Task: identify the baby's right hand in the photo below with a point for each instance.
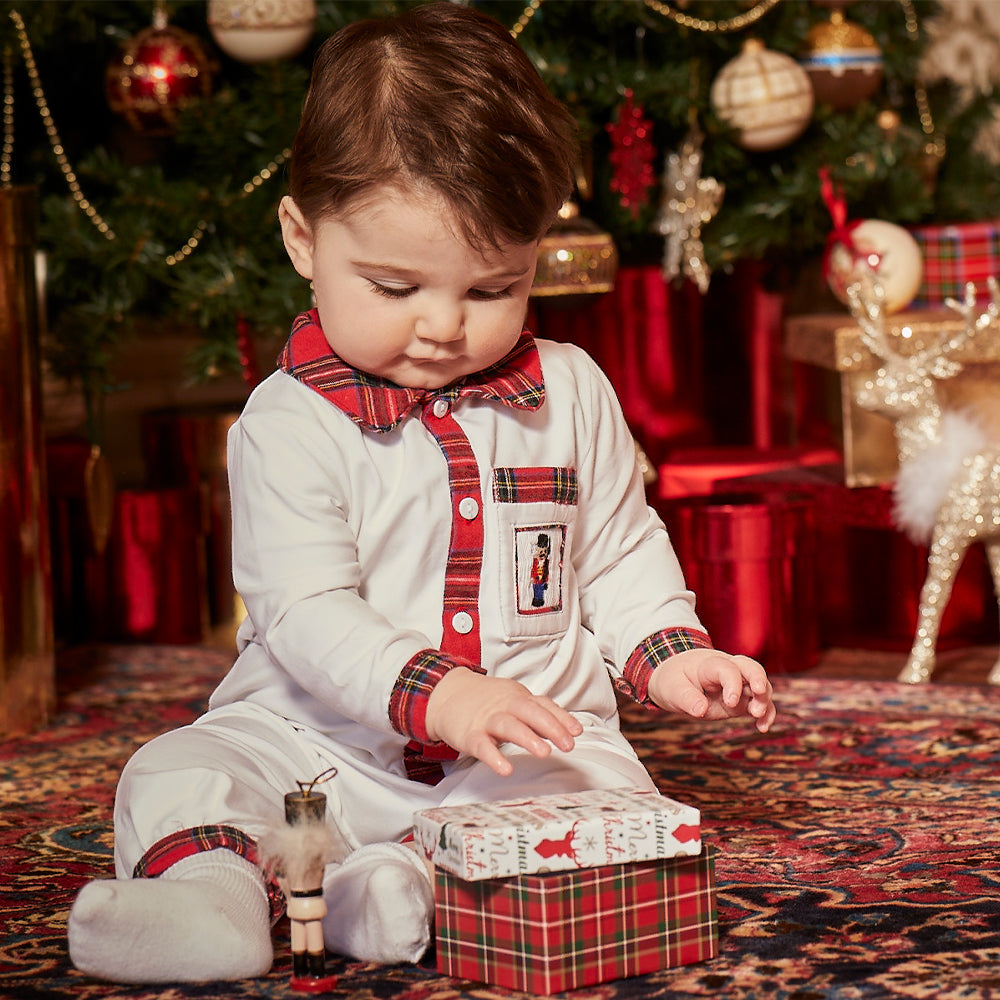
(474, 714)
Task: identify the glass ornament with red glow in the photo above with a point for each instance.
(158, 72)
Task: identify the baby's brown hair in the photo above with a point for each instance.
(442, 97)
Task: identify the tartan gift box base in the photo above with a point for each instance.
(557, 931)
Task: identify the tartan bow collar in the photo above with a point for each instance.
(378, 404)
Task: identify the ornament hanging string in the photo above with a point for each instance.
(306, 787)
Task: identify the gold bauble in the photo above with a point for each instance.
(764, 95)
(844, 62)
(575, 257)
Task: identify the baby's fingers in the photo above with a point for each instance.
(484, 748)
(763, 711)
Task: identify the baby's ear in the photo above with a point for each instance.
(298, 237)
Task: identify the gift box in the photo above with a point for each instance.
(557, 832)
(834, 343)
(548, 932)
(954, 255)
(750, 558)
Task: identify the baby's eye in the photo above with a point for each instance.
(489, 295)
(392, 291)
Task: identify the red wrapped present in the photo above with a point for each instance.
(544, 933)
(157, 569)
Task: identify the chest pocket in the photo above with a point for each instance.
(536, 508)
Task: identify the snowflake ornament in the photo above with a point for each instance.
(689, 201)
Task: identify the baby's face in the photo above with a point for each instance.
(403, 296)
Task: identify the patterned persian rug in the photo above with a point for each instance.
(858, 843)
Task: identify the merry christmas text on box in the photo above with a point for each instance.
(556, 931)
(557, 832)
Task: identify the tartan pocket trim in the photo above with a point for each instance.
(541, 484)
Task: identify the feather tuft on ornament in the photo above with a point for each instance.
(293, 851)
(923, 482)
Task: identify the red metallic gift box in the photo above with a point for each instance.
(557, 931)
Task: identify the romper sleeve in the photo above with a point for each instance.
(633, 595)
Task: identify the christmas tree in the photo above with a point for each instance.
(173, 214)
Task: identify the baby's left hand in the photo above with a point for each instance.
(709, 684)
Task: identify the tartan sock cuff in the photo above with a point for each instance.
(416, 681)
(650, 653)
(199, 839)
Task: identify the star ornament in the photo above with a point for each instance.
(688, 202)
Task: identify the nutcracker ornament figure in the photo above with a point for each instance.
(540, 570)
(297, 854)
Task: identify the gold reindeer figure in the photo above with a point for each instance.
(947, 490)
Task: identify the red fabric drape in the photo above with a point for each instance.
(646, 336)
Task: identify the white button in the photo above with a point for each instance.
(468, 507)
(441, 407)
(462, 623)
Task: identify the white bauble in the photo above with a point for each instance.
(765, 95)
(253, 31)
(884, 249)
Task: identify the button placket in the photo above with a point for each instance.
(460, 612)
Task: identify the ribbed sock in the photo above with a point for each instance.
(380, 905)
(206, 918)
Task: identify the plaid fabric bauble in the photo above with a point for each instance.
(954, 255)
(559, 931)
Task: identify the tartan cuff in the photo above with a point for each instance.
(199, 839)
(650, 653)
(416, 681)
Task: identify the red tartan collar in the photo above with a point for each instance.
(379, 404)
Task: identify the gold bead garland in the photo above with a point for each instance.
(192, 242)
(526, 16)
(8, 118)
(935, 143)
(51, 131)
(737, 23)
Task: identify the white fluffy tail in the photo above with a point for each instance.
(923, 482)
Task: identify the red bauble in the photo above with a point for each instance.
(632, 155)
(158, 72)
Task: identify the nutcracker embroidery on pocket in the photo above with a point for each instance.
(538, 558)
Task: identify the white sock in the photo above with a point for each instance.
(380, 905)
(205, 918)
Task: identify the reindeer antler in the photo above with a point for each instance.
(866, 299)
